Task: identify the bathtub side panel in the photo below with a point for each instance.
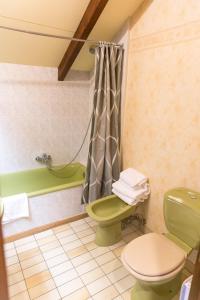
(48, 208)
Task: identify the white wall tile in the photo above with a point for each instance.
(40, 114)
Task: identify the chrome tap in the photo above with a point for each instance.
(44, 159)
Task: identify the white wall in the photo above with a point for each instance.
(39, 114)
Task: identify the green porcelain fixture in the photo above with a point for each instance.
(155, 260)
(108, 212)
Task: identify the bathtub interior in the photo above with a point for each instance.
(41, 181)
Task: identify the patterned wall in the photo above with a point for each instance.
(39, 114)
(162, 115)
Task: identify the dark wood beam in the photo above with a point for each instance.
(88, 21)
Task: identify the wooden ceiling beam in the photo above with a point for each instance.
(88, 21)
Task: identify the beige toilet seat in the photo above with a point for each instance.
(153, 257)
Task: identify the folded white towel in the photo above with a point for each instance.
(126, 190)
(15, 207)
(126, 199)
(132, 177)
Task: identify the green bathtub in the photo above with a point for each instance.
(41, 181)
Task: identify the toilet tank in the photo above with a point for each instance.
(182, 215)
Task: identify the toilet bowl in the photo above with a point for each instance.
(155, 260)
(156, 263)
(108, 212)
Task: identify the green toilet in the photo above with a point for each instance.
(156, 260)
(108, 212)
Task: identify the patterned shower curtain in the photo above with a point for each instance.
(103, 166)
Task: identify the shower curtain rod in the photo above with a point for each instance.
(53, 35)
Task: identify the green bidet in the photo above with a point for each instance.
(108, 212)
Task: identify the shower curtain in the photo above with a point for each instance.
(103, 166)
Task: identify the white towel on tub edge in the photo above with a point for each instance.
(15, 207)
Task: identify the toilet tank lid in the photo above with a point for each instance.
(185, 196)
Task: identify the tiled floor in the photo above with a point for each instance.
(65, 263)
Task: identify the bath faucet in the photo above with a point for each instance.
(44, 159)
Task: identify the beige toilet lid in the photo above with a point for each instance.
(153, 255)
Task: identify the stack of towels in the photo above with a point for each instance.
(132, 187)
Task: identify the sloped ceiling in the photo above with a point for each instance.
(60, 17)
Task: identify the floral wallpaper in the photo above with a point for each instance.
(161, 136)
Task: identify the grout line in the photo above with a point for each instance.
(23, 274)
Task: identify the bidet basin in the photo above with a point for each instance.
(108, 212)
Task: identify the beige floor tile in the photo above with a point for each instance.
(81, 227)
(125, 284)
(90, 246)
(99, 251)
(37, 279)
(72, 245)
(61, 268)
(27, 263)
(118, 274)
(118, 251)
(41, 288)
(65, 277)
(35, 269)
(26, 247)
(118, 298)
(86, 267)
(117, 245)
(81, 259)
(68, 239)
(77, 223)
(102, 259)
(111, 266)
(81, 294)
(88, 219)
(65, 233)
(9, 253)
(92, 276)
(108, 294)
(93, 226)
(22, 296)
(92, 223)
(87, 239)
(52, 262)
(76, 252)
(26, 240)
(52, 253)
(127, 295)
(8, 246)
(70, 287)
(17, 288)
(84, 233)
(50, 246)
(43, 234)
(11, 260)
(61, 228)
(46, 265)
(28, 254)
(98, 285)
(14, 278)
(52, 295)
(46, 240)
(13, 269)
